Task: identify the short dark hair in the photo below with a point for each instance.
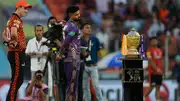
(84, 24)
(72, 9)
(38, 71)
(38, 25)
(50, 18)
(152, 38)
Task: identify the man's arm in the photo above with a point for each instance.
(29, 51)
(151, 62)
(28, 48)
(14, 33)
(67, 40)
(163, 65)
(42, 95)
(45, 51)
(98, 47)
(30, 87)
(71, 31)
(33, 54)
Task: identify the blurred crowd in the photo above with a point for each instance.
(112, 18)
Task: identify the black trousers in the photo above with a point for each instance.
(80, 85)
(17, 62)
(63, 81)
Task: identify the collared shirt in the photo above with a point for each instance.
(15, 21)
(93, 47)
(37, 63)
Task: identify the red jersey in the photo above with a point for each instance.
(156, 55)
(15, 21)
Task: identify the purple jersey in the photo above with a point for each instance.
(72, 40)
(72, 61)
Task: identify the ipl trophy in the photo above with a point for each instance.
(133, 41)
(133, 67)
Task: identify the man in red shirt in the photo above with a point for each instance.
(14, 36)
(155, 68)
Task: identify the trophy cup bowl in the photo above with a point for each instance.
(132, 44)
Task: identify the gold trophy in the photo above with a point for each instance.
(133, 41)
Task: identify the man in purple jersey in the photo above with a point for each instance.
(71, 46)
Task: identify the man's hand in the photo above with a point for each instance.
(42, 95)
(38, 54)
(13, 44)
(35, 54)
(39, 83)
(58, 43)
(59, 57)
(45, 54)
(34, 79)
(99, 54)
(32, 53)
(158, 71)
(84, 53)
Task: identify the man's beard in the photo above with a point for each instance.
(77, 20)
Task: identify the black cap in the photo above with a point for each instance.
(72, 9)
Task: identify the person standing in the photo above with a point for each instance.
(14, 37)
(84, 54)
(94, 50)
(71, 46)
(36, 50)
(155, 58)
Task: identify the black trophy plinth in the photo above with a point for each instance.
(133, 79)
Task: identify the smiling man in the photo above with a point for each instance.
(14, 36)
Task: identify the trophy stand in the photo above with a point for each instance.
(133, 79)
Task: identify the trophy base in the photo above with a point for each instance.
(132, 53)
(132, 56)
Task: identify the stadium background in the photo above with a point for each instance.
(115, 17)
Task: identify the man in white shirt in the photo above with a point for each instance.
(38, 54)
(36, 50)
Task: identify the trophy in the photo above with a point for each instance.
(133, 42)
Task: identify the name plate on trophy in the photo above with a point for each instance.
(133, 75)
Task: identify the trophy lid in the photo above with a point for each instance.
(133, 29)
(133, 32)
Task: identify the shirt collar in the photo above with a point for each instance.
(17, 16)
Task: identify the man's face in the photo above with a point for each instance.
(154, 42)
(87, 29)
(23, 11)
(76, 16)
(39, 32)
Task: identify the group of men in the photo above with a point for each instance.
(80, 48)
